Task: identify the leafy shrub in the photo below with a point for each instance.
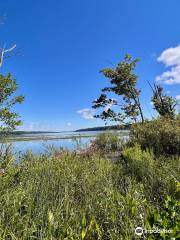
(108, 142)
(165, 218)
(158, 175)
(139, 163)
(161, 135)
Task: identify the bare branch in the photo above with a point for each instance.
(3, 51)
(10, 49)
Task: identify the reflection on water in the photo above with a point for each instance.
(39, 146)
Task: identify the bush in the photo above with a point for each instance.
(162, 136)
(158, 175)
(165, 219)
(139, 163)
(107, 142)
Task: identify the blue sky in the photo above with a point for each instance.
(63, 44)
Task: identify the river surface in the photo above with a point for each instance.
(39, 143)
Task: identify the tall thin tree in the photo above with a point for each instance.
(123, 84)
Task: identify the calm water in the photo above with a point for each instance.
(39, 143)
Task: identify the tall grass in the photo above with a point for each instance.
(78, 196)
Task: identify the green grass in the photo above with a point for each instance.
(87, 196)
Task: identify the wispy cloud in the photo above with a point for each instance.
(69, 124)
(171, 58)
(86, 113)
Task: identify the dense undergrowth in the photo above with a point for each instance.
(86, 195)
(161, 135)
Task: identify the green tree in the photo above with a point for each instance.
(163, 104)
(9, 119)
(123, 83)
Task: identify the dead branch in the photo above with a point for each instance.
(3, 52)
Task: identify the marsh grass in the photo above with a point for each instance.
(65, 195)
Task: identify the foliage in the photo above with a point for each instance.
(159, 178)
(139, 163)
(6, 156)
(163, 104)
(166, 219)
(161, 135)
(123, 84)
(9, 119)
(158, 175)
(72, 196)
(108, 142)
(65, 198)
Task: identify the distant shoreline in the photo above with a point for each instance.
(106, 128)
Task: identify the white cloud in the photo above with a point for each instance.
(69, 124)
(178, 97)
(86, 113)
(171, 58)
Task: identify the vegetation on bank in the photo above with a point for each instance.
(89, 195)
(161, 135)
(9, 119)
(106, 128)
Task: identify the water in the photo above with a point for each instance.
(38, 143)
(40, 146)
